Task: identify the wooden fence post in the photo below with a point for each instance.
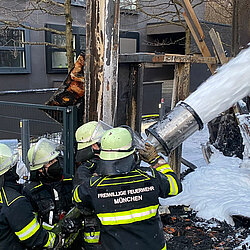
(180, 92)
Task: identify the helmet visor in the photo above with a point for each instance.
(138, 141)
(97, 134)
(10, 155)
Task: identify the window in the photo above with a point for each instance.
(59, 59)
(78, 2)
(129, 42)
(56, 60)
(128, 4)
(14, 55)
(75, 2)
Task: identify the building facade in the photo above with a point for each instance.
(31, 71)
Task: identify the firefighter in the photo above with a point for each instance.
(125, 196)
(19, 227)
(48, 190)
(88, 137)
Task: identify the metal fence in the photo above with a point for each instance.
(30, 122)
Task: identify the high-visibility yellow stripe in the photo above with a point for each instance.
(122, 177)
(1, 199)
(69, 179)
(92, 237)
(37, 186)
(47, 226)
(76, 196)
(130, 179)
(120, 183)
(142, 173)
(91, 165)
(21, 196)
(28, 230)
(157, 157)
(51, 240)
(164, 169)
(173, 185)
(129, 216)
(7, 202)
(92, 184)
(148, 116)
(165, 247)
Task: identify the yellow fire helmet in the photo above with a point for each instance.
(90, 133)
(8, 158)
(42, 153)
(117, 143)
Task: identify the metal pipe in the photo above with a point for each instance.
(180, 123)
(25, 138)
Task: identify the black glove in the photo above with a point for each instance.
(149, 154)
(71, 225)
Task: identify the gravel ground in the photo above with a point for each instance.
(184, 231)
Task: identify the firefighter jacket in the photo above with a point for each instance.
(91, 231)
(84, 171)
(19, 228)
(50, 200)
(127, 206)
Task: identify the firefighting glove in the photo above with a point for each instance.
(70, 225)
(149, 154)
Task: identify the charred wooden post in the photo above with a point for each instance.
(129, 109)
(180, 92)
(102, 45)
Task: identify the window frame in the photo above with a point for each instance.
(77, 32)
(25, 49)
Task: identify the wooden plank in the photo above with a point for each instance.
(201, 44)
(188, 163)
(183, 59)
(164, 58)
(215, 37)
(175, 160)
(189, 9)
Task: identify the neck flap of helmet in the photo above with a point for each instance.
(116, 167)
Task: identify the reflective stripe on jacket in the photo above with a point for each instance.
(127, 206)
(19, 227)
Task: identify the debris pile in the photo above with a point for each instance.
(183, 230)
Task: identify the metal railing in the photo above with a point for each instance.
(55, 123)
